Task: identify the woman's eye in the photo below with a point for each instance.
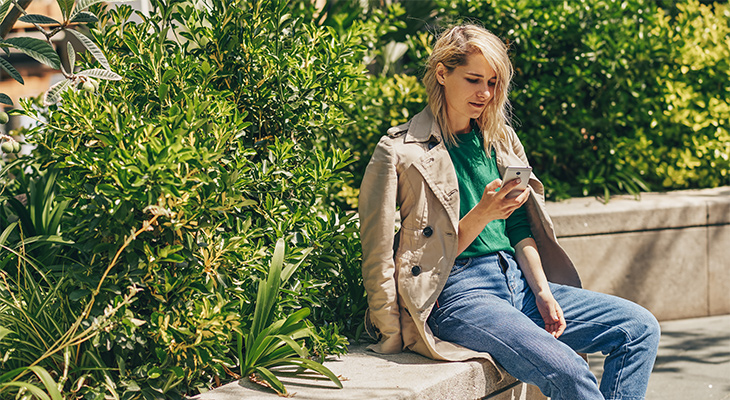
(472, 80)
(492, 83)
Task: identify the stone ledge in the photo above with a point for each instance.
(666, 251)
(369, 376)
(653, 211)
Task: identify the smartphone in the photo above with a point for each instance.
(512, 173)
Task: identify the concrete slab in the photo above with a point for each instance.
(369, 376)
(667, 251)
(693, 360)
(693, 363)
(719, 269)
(591, 216)
(664, 271)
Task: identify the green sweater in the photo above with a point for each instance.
(474, 171)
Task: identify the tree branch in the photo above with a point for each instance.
(12, 18)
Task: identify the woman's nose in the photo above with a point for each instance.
(485, 92)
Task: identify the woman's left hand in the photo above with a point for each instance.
(551, 313)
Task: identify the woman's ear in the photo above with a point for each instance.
(441, 73)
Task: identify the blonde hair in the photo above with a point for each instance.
(452, 49)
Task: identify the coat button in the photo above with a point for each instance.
(416, 270)
(427, 231)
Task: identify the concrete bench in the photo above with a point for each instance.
(669, 252)
(369, 376)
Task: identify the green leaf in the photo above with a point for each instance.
(239, 348)
(50, 385)
(301, 352)
(85, 16)
(269, 378)
(8, 230)
(53, 95)
(38, 19)
(4, 7)
(77, 295)
(11, 70)
(46, 239)
(38, 49)
(92, 47)
(4, 332)
(289, 270)
(84, 4)
(34, 390)
(317, 367)
(71, 57)
(5, 99)
(66, 6)
(101, 74)
(268, 291)
(48, 382)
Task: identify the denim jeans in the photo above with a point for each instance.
(487, 306)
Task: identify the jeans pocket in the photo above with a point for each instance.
(460, 265)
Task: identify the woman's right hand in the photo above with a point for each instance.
(495, 204)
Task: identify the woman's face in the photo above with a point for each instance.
(468, 89)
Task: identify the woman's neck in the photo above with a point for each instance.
(463, 128)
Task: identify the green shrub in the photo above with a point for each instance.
(219, 141)
(692, 148)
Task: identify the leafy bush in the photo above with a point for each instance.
(693, 147)
(219, 141)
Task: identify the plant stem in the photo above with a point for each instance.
(71, 338)
(48, 35)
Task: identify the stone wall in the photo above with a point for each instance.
(669, 252)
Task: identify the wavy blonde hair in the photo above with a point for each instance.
(452, 48)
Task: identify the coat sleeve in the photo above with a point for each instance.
(377, 208)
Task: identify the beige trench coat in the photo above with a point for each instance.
(411, 169)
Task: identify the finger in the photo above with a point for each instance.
(493, 185)
(552, 329)
(522, 198)
(507, 187)
(561, 324)
(511, 184)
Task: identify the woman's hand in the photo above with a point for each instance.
(551, 313)
(495, 204)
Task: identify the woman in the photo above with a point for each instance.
(472, 272)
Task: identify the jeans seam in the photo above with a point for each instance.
(615, 388)
(547, 379)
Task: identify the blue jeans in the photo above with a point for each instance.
(487, 306)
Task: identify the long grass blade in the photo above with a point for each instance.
(317, 367)
(48, 382)
(272, 380)
(34, 390)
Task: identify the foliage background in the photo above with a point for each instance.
(609, 96)
(146, 217)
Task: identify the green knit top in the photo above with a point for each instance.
(474, 171)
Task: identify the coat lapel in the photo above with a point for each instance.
(435, 164)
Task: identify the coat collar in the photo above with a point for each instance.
(423, 128)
